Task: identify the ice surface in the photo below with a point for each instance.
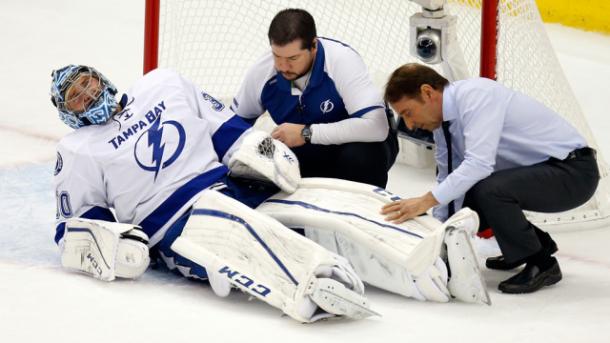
(40, 302)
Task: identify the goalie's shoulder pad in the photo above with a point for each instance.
(103, 249)
(262, 157)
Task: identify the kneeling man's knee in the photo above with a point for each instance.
(485, 190)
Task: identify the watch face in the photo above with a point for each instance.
(306, 133)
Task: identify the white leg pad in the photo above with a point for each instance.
(263, 258)
(344, 217)
(432, 285)
(104, 250)
(466, 282)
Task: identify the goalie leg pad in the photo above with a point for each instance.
(344, 217)
(464, 219)
(104, 250)
(261, 257)
(432, 285)
(466, 282)
(377, 269)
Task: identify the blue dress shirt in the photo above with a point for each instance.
(494, 128)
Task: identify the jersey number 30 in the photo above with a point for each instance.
(64, 209)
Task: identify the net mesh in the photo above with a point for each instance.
(214, 42)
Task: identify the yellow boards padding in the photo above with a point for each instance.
(592, 15)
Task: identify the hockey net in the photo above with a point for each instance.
(214, 42)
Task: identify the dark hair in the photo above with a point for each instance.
(291, 24)
(408, 79)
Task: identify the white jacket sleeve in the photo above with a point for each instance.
(371, 127)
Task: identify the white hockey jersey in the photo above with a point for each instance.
(147, 164)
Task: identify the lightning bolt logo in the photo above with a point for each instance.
(155, 133)
(154, 141)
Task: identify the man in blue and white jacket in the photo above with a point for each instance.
(319, 93)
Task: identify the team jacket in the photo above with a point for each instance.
(339, 88)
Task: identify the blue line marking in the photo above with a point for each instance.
(349, 214)
(82, 229)
(220, 214)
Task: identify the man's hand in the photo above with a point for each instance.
(401, 210)
(289, 134)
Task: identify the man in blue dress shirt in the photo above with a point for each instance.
(327, 108)
(498, 152)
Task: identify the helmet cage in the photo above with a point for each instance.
(97, 111)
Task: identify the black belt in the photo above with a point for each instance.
(582, 152)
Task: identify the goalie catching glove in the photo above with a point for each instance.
(264, 158)
(104, 250)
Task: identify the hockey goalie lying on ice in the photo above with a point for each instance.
(149, 176)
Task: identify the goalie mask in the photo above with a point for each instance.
(82, 95)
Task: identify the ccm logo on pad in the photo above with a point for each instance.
(245, 281)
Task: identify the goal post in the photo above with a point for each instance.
(214, 42)
(489, 38)
(151, 35)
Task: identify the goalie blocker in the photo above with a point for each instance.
(104, 250)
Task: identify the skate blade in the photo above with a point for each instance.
(333, 297)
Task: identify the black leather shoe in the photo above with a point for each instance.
(532, 278)
(498, 262)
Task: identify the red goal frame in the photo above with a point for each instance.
(489, 34)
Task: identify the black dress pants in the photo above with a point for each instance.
(359, 161)
(551, 186)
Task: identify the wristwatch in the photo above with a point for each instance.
(306, 133)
